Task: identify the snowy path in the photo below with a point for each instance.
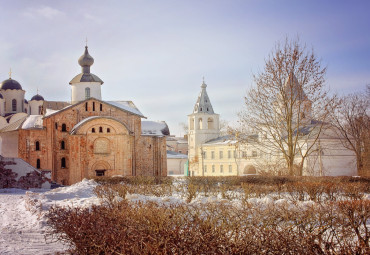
(21, 232)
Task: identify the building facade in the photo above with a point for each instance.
(211, 154)
(85, 138)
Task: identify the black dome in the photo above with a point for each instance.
(1, 96)
(25, 101)
(37, 98)
(10, 84)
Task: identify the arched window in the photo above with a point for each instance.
(63, 163)
(87, 93)
(101, 107)
(200, 123)
(210, 123)
(86, 106)
(38, 164)
(64, 127)
(93, 106)
(108, 130)
(56, 126)
(40, 110)
(100, 130)
(37, 145)
(93, 130)
(14, 105)
(62, 145)
(192, 124)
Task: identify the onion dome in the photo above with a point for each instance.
(85, 61)
(10, 84)
(37, 98)
(1, 96)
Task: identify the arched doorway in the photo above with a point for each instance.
(100, 168)
(249, 169)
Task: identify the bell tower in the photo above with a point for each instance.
(203, 123)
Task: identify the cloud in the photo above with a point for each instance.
(93, 18)
(44, 12)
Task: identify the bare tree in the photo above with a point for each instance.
(352, 121)
(288, 104)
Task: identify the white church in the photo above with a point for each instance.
(211, 154)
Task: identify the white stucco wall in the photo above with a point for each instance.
(9, 144)
(78, 91)
(175, 166)
(11, 94)
(34, 107)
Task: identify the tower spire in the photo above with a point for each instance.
(203, 104)
(10, 73)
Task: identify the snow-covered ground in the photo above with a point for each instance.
(23, 224)
(22, 221)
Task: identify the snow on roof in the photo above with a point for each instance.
(174, 154)
(14, 126)
(227, 139)
(33, 121)
(50, 111)
(127, 106)
(154, 128)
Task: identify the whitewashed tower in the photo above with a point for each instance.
(85, 84)
(203, 124)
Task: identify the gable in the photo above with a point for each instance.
(94, 105)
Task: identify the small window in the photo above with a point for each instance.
(25, 110)
(93, 106)
(64, 127)
(213, 168)
(56, 126)
(93, 130)
(87, 93)
(228, 154)
(200, 108)
(100, 130)
(100, 172)
(40, 110)
(62, 145)
(14, 105)
(254, 153)
(180, 151)
(86, 106)
(38, 164)
(230, 168)
(205, 169)
(205, 155)
(63, 163)
(221, 169)
(101, 107)
(221, 154)
(207, 109)
(212, 154)
(108, 130)
(37, 145)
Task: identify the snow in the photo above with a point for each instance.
(127, 106)
(32, 121)
(23, 221)
(153, 128)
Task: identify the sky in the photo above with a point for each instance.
(156, 53)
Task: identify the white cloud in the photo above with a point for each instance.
(43, 11)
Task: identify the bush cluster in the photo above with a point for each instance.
(336, 222)
(149, 228)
